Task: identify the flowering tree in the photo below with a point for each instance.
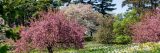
(85, 15)
(50, 31)
(148, 29)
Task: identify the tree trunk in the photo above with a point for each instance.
(89, 2)
(152, 6)
(102, 7)
(49, 49)
(81, 1)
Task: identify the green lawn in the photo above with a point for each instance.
(91, 47)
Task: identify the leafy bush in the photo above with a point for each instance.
(51, 30)
(19, 12)
(13, 33)
(121, 26)
(104, 33)
(3, 48)
(88, 38)
(148, 29)
(122, 39)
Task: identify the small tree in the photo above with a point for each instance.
(148, 29)
(51, 30)
(121, 26)
(104, 34)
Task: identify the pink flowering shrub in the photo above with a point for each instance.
(148, 29)
(51, 30)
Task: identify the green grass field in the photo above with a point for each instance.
(92, 47)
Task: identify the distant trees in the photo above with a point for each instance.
(51, 30)
(19, 12)
(101, 6)
(142, 5)
(148, 29)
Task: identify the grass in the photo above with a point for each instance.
(92, 47)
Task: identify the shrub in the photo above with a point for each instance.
(148, 29)
(13, 33)
(3, 48)
(121, 26)
(104, 33)
(51, 30)
(88, 38)
(122, 39)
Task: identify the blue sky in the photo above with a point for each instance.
(119, 7)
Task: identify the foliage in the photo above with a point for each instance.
(84, 14)
(88, 38)
(102, 5)
(13, 33)
(3, 48)
(147, 30)
(51, 31)
(17, 12)
(3, 27)
(99, 5)
(122, 39)
(80, 11)
(121, 26)
(104, 33)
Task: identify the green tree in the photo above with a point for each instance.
(121, 25)
(20, 12)
(99, 5)
(17, 12)
(3, 48)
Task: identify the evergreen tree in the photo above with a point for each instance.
(99, 5)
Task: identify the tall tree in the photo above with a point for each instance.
(101, 6)
(16, 12)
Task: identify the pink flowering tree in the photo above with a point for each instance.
(51, 30)
(148, 29)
